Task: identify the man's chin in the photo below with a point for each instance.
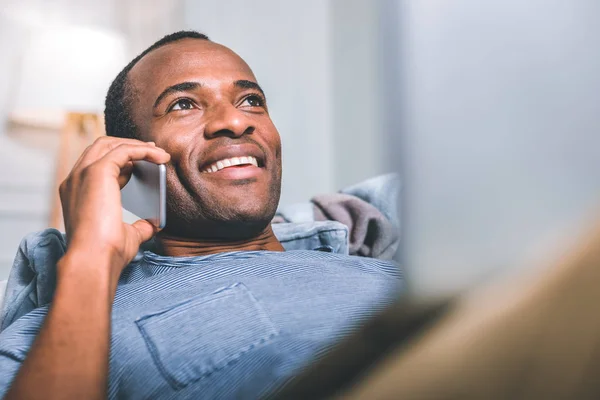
(244, 221)
(223, 213)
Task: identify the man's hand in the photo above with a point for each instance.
(69, 358)
(91, 201)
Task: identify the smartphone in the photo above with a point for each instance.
(145, 195)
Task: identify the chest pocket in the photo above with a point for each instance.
(193, 339)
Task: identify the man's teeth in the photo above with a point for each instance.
(231, 162)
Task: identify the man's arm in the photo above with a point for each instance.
(69, 358)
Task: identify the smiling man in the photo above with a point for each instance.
(218, 309)
(201, 103)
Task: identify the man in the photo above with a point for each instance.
(219, 310)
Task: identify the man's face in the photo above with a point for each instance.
(201, 103)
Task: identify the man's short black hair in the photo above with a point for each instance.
(117, 108)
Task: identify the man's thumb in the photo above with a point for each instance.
(145, 230)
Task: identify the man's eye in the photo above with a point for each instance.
(182, 104)
(253, 101)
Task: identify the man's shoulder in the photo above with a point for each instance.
(344, 261)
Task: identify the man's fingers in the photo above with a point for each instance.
(145, 230)
(117, 160)
(123, 154)
(125, 174)
(102, 146)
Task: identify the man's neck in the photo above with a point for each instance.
(169, 245)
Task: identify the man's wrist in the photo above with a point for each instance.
(97, 267)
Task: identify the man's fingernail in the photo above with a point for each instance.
(152, 143)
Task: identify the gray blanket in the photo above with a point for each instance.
(369, 210)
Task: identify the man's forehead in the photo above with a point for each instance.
(189, 59)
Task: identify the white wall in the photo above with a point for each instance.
(503, 133)
(357, 87)
(25, 172)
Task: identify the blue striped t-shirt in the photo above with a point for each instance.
(228, 325)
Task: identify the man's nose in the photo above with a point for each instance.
(227, 120)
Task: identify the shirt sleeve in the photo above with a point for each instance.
(8, 370)
(32, 278)
(15, 343)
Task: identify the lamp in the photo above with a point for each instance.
(63, 78)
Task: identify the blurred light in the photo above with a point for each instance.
(65, 69)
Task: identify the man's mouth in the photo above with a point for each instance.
(230, 162)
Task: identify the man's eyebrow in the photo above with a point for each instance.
(179, 87)
(244, 84)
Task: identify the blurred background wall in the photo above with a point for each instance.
(501, 112)
(317, 60)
